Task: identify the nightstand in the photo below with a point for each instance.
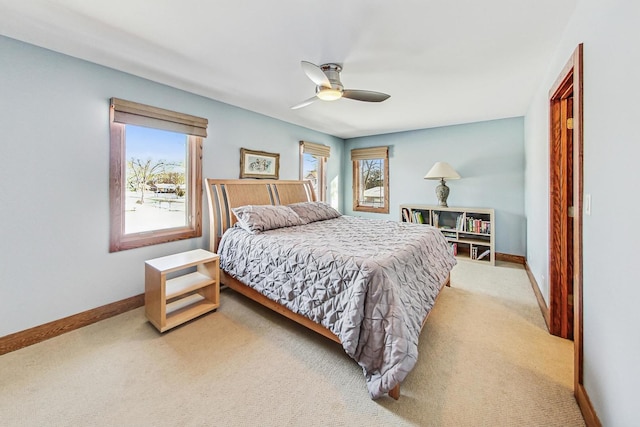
(188, 294)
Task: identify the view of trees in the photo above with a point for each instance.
(371, 173)
(143, 174)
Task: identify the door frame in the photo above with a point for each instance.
(575, 69)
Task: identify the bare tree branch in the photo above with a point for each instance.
(142, 173)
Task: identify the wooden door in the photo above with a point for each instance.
(562, 210)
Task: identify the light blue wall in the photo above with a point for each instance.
(609, 32)
(54, 219)
(54, 179)
(488, 155)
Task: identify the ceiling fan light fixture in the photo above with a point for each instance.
(329, 94)
(329, 88)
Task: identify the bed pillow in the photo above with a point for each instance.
(314, 211)
(258, 218)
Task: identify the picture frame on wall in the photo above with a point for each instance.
(259, 164)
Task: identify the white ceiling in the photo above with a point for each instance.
(442, 61)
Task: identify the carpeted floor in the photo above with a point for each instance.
(486, 359)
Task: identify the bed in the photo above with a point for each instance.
(367, 284)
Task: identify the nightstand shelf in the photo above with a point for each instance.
(171, 302)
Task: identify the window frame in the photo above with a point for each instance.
(321, 153)
(372, 153)
(123, 112)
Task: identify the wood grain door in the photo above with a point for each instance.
(561, 210)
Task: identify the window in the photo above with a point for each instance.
(155, 175)
(313, 165)
(370, 179)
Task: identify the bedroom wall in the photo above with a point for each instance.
(609, 32)
(54, 214)
(489, 156)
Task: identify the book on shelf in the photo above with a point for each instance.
(436, 219)
(473, 254)
(454, 248)
(472, 225)
(417, 215)
(484, 254)
(449, 234)
(476, 225)
(405, 215)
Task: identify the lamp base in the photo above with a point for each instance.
(442, 192)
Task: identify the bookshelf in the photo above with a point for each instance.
(469, 231)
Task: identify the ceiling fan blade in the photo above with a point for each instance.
(364, 95)
(315, 74)
(305, 103)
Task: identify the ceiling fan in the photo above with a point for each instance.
(329, 88)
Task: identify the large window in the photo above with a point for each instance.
(370, 179)
(156, 175)
(313, 165)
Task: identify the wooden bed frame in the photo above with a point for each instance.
(226, 194)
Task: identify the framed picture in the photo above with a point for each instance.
(259, 164)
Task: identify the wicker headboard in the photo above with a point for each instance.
(225, 194)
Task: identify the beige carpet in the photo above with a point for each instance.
(486, 359)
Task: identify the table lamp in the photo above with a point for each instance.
(442, 171)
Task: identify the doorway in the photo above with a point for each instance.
(565, 213)
(562, 208)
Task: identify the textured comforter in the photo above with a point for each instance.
(371, 282)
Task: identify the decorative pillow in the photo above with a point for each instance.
(258, 218)
(314, 211)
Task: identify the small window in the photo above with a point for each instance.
(313, 165)
(370, 179)
(156, 174)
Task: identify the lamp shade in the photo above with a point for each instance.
(442, 170)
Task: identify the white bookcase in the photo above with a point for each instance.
(469, 231)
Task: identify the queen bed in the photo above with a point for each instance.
(366, 284)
